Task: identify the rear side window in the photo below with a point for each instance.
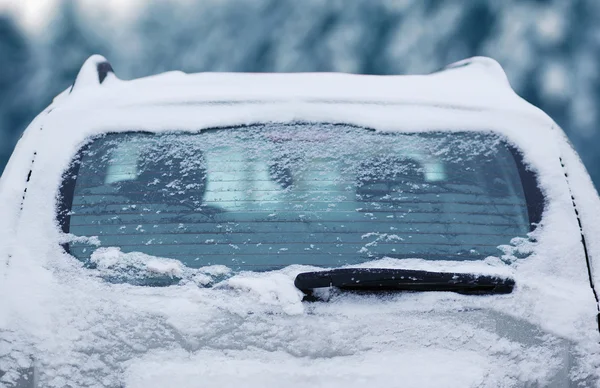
(268, 196)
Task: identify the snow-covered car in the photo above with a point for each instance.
(294, 230)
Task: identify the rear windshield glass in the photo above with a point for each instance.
(264, 197)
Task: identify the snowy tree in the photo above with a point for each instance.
(71, 40)
(14, 66)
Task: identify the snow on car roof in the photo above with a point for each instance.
(474, 83)
(56, 311)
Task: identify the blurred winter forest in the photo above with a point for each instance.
(549, 49)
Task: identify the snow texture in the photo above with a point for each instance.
(252, 329)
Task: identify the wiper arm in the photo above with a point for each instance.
(386, 279)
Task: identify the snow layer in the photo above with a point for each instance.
(253, 329)
(112, 258)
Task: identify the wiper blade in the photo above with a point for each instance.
(387, 279)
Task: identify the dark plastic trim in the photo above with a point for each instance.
(66, 194)
(584, 244)
(533, 195)
(103, 69)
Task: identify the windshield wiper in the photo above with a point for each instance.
(386, 279)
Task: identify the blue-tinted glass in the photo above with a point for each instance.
(268, 196)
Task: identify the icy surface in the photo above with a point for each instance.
(82, 328)
(112, 259)
(110, 263)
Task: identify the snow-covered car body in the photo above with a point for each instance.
(62, 325)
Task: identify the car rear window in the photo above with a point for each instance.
(267, 196)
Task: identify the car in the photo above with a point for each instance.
(330, 230)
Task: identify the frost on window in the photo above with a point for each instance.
(267, 196)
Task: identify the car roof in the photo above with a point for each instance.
(477, 83)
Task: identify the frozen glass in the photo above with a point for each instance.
(267, 196)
